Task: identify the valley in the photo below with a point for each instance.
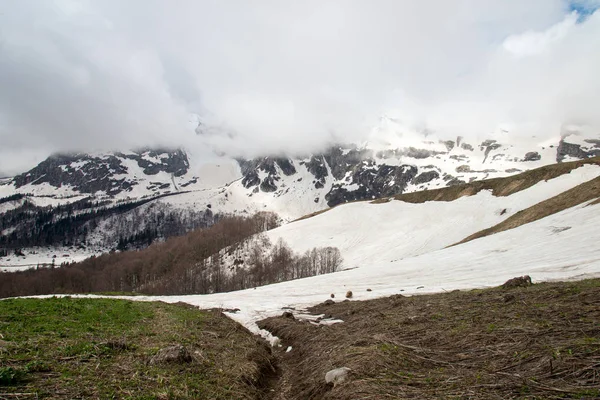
(127, 200)
(299, 200)
(418, 304)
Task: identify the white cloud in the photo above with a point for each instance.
(286, 75)
(532, 43)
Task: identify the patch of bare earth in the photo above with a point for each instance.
(537, 342)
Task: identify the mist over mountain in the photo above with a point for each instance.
(388, 188)
(272, 79)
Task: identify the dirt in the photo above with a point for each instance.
(537, 342)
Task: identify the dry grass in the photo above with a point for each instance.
(314, 214)
(540, 342)
(580, 194)
(499, 186)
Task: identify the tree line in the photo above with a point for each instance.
(132, 224)
(263, 264)
(203, 261)
(153, 267)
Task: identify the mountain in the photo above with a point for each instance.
(390, 229)
(73, 205)
(542, 223)
(413, 244)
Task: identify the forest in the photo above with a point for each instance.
(188, 264)
(124, 225)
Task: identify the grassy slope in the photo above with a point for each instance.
(539, 342)
(580, 194)
(499, 186)
(100, 348)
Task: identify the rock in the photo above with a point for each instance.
(574, 150)
(489, 146)
(425, 177)
(349, 294)
(328, 302)
(316, 166)
(373, 181)
(286, 165)
(176, 354)
(332, 296)
(520, 281)
(508, 297)
(532, 156)
(288, 315)
(90, 174)
(268, 184)
(448, 143)
(369, 290)
(337, 376)
(252, 168)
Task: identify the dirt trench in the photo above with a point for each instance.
(532, 342)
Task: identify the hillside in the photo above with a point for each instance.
(388, 230)
(539, 342)
(126, 200)
(561, 246)
(104, 348)
(579, 194)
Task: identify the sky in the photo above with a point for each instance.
(273, 76)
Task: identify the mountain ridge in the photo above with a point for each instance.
(175, 185)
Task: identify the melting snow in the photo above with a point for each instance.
(537, 249)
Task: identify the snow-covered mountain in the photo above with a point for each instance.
(400, 247)
(562, 246)
(137, 190)
(391, 229)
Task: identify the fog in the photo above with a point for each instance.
(282, 76)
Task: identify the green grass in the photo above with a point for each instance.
(101, 348)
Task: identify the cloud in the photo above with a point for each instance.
(286, 76)
(583, 8)
(533, 43)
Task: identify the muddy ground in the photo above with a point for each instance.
(537, 342)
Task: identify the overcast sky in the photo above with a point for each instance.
(287, 75)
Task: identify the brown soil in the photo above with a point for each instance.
(539, 342)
